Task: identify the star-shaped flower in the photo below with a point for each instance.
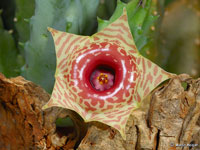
(102, 77)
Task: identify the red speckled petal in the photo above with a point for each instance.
(120, 32)
(77, 59)
(150, 77)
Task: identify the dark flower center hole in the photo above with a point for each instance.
(102, 78)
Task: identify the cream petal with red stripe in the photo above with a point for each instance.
(113, 49)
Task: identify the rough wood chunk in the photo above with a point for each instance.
(25, 126)
(168, 119)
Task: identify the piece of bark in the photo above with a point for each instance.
(169, 116)
(167, 120)
(25, 126)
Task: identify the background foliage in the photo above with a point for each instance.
(165, 31)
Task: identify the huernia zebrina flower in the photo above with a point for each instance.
(102, 77)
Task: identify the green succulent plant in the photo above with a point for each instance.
(72, 16)
(9, 62)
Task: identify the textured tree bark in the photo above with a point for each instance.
(25, 126)
(169, 118)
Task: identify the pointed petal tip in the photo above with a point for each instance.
(52, 31)
(45, 106)
(124, 14)
(124, 11)
(49, 29)
(150, 77)
(49, 104)
(172, 75)
(122, 132)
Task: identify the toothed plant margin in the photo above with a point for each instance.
(9, 62)
(24, 10)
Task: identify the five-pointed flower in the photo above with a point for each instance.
(102, 77)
